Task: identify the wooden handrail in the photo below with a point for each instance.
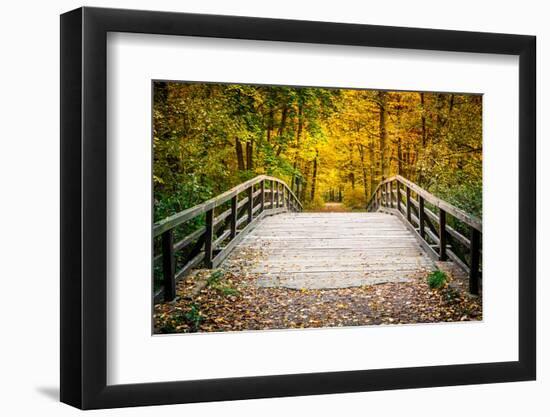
(205, 243)
(187, 214)
(469, 219)
(435, 237)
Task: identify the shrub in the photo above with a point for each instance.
(354, 198)
(316, 204)
(437, 279)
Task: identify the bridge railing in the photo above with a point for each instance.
(247, 203)
(428, 217)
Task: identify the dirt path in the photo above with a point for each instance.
(333, 207)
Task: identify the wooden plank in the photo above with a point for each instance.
(454, 257)
(190, 265)
(431, 215)
(458, 236)
(188, 239)
(250, 205)
(398, 195)
(256, 208)
(241, 220)
(241, 203)
(240, 236)
(256, 193)
(421, 217)
(220, 239)
(262, 195)
(233, 226)
(442, 235)
(408, 204)
(209, 234)
(475, 241)
(432, 236)
(272, 195)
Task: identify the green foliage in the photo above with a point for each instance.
(193, 317)
(181, 196)
(437, 279)
(210, 137)
(215, 277)
(215, 281)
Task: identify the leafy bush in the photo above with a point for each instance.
(316, 204)
(437, 279)
(354, 198)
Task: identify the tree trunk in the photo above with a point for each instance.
(304, 182)
(298, 137)
(383, 133)
(364, 169)
(351, 174)
(249, 155)
(399, 157)
(372, 166)
(423, 120)
(314, 177)
(239, 151)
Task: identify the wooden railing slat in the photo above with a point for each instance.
(209, 234)
(188, 214)
(188, 239)
(458, 236)
(442, 235)
(475, 242)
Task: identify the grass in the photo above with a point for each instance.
(437, 279)
(214, 281)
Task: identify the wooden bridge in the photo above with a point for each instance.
(404, 230)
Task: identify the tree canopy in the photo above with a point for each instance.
(328, 144)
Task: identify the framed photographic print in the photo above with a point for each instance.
(257, 208)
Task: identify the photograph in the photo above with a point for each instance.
(293, 207)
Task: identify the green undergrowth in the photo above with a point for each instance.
(437, 279)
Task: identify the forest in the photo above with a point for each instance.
(328, 144)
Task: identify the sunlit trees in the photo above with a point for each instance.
(328, 144)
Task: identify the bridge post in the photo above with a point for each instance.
(286, 195)
(250, 205)
(208, 236)
(421, 216)
(262, 195)
(408, 204)
(442, 235)
(168, 266)
(474, 263)
(272, 196)
(398, 196)
(391, 193)
(233, 217)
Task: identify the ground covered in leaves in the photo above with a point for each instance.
(227, 300)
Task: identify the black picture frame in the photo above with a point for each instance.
(84, 207)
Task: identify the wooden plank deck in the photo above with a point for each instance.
(333, 250)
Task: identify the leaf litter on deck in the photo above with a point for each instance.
(235, 302)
